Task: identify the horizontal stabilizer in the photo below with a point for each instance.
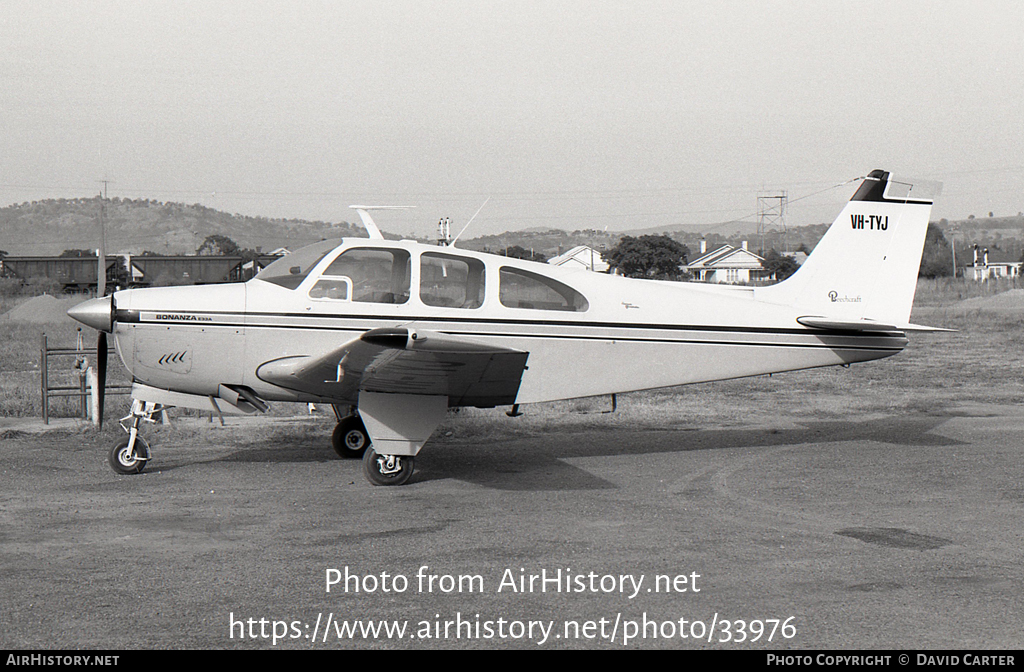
(368, 223)
(862, 325)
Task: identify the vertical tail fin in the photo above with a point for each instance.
(866, 265)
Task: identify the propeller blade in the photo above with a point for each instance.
(101, 373)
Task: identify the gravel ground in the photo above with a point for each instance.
(891, 531)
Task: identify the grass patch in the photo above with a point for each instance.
(947, 291)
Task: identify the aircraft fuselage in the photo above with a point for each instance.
(586, 333)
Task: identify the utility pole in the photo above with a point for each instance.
(771, 216)
(952, 244)
(101, 253)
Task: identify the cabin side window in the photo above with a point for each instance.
(451, 281)
(334, 289)
(366, 275)
(522, 289)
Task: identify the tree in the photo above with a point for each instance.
(937, 258)
(779, 265)
(649, 257)
(217, 244)
(517, 252)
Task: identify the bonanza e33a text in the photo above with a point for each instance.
(398, 332)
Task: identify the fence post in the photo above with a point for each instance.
(43, 381)
(83, 407)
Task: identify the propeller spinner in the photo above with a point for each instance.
(98, 314)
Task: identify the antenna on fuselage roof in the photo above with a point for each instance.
(452, 243)
(368, 223)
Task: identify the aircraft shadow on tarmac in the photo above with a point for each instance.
(538, 462)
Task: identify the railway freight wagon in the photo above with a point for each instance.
(74, 274)
(78, 274)
(185, 270)
(196, 270)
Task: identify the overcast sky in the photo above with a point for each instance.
(564, 114)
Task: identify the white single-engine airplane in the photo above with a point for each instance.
(398, 332)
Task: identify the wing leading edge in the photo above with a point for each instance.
(405, 360)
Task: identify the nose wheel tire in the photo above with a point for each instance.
(387, 469)
(350, 439)
(124, 461)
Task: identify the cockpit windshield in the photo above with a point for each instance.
(290, 270)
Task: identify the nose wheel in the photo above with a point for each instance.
(387, 469)
(126, 458)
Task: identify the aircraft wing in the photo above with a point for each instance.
(817, 322)
(405, 360)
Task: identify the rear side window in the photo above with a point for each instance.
(451, 281)
(522, 289)
(367, 275)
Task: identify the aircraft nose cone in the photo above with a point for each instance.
(95, 313)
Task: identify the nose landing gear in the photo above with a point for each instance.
(131, 455)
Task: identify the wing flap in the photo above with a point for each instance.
(405, 360)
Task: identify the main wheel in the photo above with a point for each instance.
(387, 469)
(124, 463)
(350, 438)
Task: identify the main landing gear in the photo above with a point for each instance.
(350, 440)
(131, 455)
(387, 469)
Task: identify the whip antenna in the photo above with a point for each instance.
(452, 244)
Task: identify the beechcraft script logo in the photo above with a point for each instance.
(835, 298)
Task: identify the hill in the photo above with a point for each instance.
(545, 242)
(728, 229)
(1004, 235)
(51, 226)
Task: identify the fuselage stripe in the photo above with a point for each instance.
(404, 319)
(607, 337)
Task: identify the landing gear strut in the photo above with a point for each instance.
(131, 455)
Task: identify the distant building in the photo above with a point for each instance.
(582, 257)
(990, 266)
(727, 264)
(798, 257)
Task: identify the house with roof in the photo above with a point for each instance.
(581, 257)
(991, 266)
(727, 264)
